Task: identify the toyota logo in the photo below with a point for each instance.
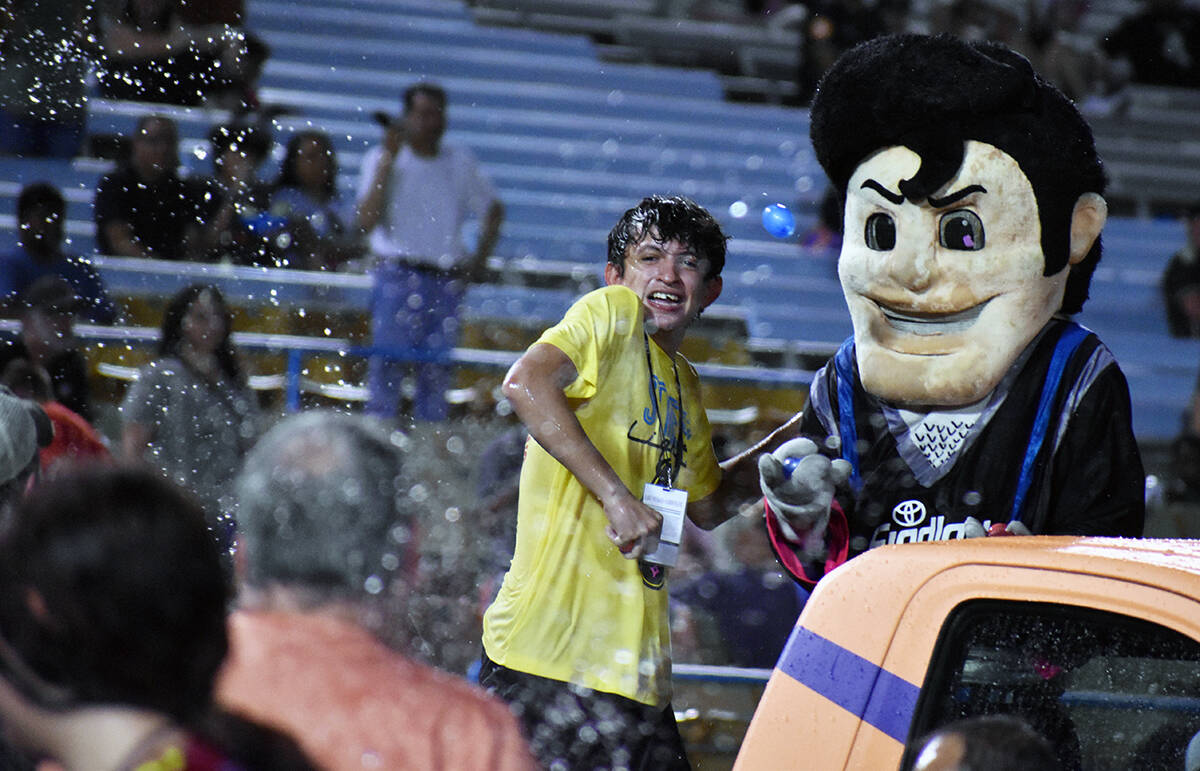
(908, 513)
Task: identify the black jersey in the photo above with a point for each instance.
(1052, 446)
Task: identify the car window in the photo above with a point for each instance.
(1109, 691)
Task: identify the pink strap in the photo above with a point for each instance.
(837, 536)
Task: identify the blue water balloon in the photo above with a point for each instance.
(778, 220)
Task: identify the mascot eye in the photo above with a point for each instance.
(880, 232)
(962, 230)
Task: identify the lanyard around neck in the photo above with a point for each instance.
(670, 454)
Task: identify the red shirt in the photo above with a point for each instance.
(352, 703)
(74, 438)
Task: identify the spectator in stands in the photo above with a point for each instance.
(826, 234)
(320, 222)
(112, 631)
(497, 480)
(1180, 513)
(324, 546)
(991, 742)
(144, 208)
(215, 14)
(754, 604)
(244, 98)
(148, 54)
(47, 339)
(24, 429)
(74, 438)
(496, 485)
(975, 20)
(190, 413)
(1181, 280)
(414, 196)
(43, 63)
(240, 228)
(1160, 44)
(833, 26)
(1071, 59)
(41, 215)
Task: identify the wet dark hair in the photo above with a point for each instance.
(172, 328)
(112, 592)
(932, 94)
(287, 170)
(431, 90)
(39, 194)
(675, 218)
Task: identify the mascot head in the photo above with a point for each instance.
(973, 210)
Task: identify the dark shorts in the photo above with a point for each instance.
(572, 727)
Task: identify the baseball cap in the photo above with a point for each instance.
(24, 428)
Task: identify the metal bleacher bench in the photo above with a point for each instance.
(320, 290)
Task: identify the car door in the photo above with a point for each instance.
(1107, 668)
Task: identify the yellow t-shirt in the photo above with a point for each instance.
(571, 608)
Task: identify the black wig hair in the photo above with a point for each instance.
(676, 219)
(933, 93)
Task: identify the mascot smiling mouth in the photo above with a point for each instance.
(931, 323)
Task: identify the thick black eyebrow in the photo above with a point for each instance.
(940, 203)
(896, 198)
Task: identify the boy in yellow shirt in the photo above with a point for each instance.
(578, 640)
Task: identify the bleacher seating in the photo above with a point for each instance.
(572, 140)
(755, 58)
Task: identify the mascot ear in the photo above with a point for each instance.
(1091, 212)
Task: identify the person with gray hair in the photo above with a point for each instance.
(24, 429)
(318, 502)
(322, 544)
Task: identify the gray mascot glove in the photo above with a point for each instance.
(798, 483)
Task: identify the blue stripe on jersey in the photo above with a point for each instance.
(1070, 339)
(855, 684)
(843, 363)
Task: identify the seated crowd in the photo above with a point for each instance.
(127, 642)
(145, 208)
(147, 666)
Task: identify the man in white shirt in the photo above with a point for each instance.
(414, 196)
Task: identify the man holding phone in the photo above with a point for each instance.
(415, 194)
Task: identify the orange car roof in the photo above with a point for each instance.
(1134, 559)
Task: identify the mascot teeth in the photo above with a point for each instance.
(936, 324)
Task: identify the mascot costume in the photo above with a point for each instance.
(967, 402)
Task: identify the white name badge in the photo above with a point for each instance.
(672, 504)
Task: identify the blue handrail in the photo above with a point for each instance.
(299, 347)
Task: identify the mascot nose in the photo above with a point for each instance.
(912, 268)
